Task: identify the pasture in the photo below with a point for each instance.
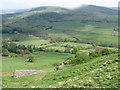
(60, 34)
(101, 72)
(43, 61)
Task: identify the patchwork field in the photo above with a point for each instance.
(84, 40)
(97, 25)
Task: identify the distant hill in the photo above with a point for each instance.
(88, 23)
(50, 9)
(93, 8)
(8, 11)
(116, 8)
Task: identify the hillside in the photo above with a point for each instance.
(101, 72)
(93, 8)
(89, 24)
(78, 45)
(116, 8)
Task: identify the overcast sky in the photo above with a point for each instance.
(22, 4)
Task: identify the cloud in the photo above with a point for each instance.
(62, 3)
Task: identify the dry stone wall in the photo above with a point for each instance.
(20, 73)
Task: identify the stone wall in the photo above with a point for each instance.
(19, 73)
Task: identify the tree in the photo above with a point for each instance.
(12, 47)
(107, 51)
(94, 45)
(5, 44)
(21, 47)
(75, 50)
(34, 48)
(81, 58)
(67, 50)
(96, 53)
(5, 52)
(78, 59)
(30, 59)
(29, 47)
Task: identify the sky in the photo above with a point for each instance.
(25, 4)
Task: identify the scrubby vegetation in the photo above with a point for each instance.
(30, 59)
(81, 58)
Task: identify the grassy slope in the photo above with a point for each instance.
(100, 72)
(68, 25)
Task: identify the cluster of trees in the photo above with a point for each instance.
(67, 50)
(73, 51)
(92, 20)
(12, 49)
(59, 40)
(102, 52)
(79, 41)
(80, 58)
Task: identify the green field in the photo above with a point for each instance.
(101, 72)
(98, 26)
(53, 35)
(43, 61)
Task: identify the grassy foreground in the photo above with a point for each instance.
(101, 72)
